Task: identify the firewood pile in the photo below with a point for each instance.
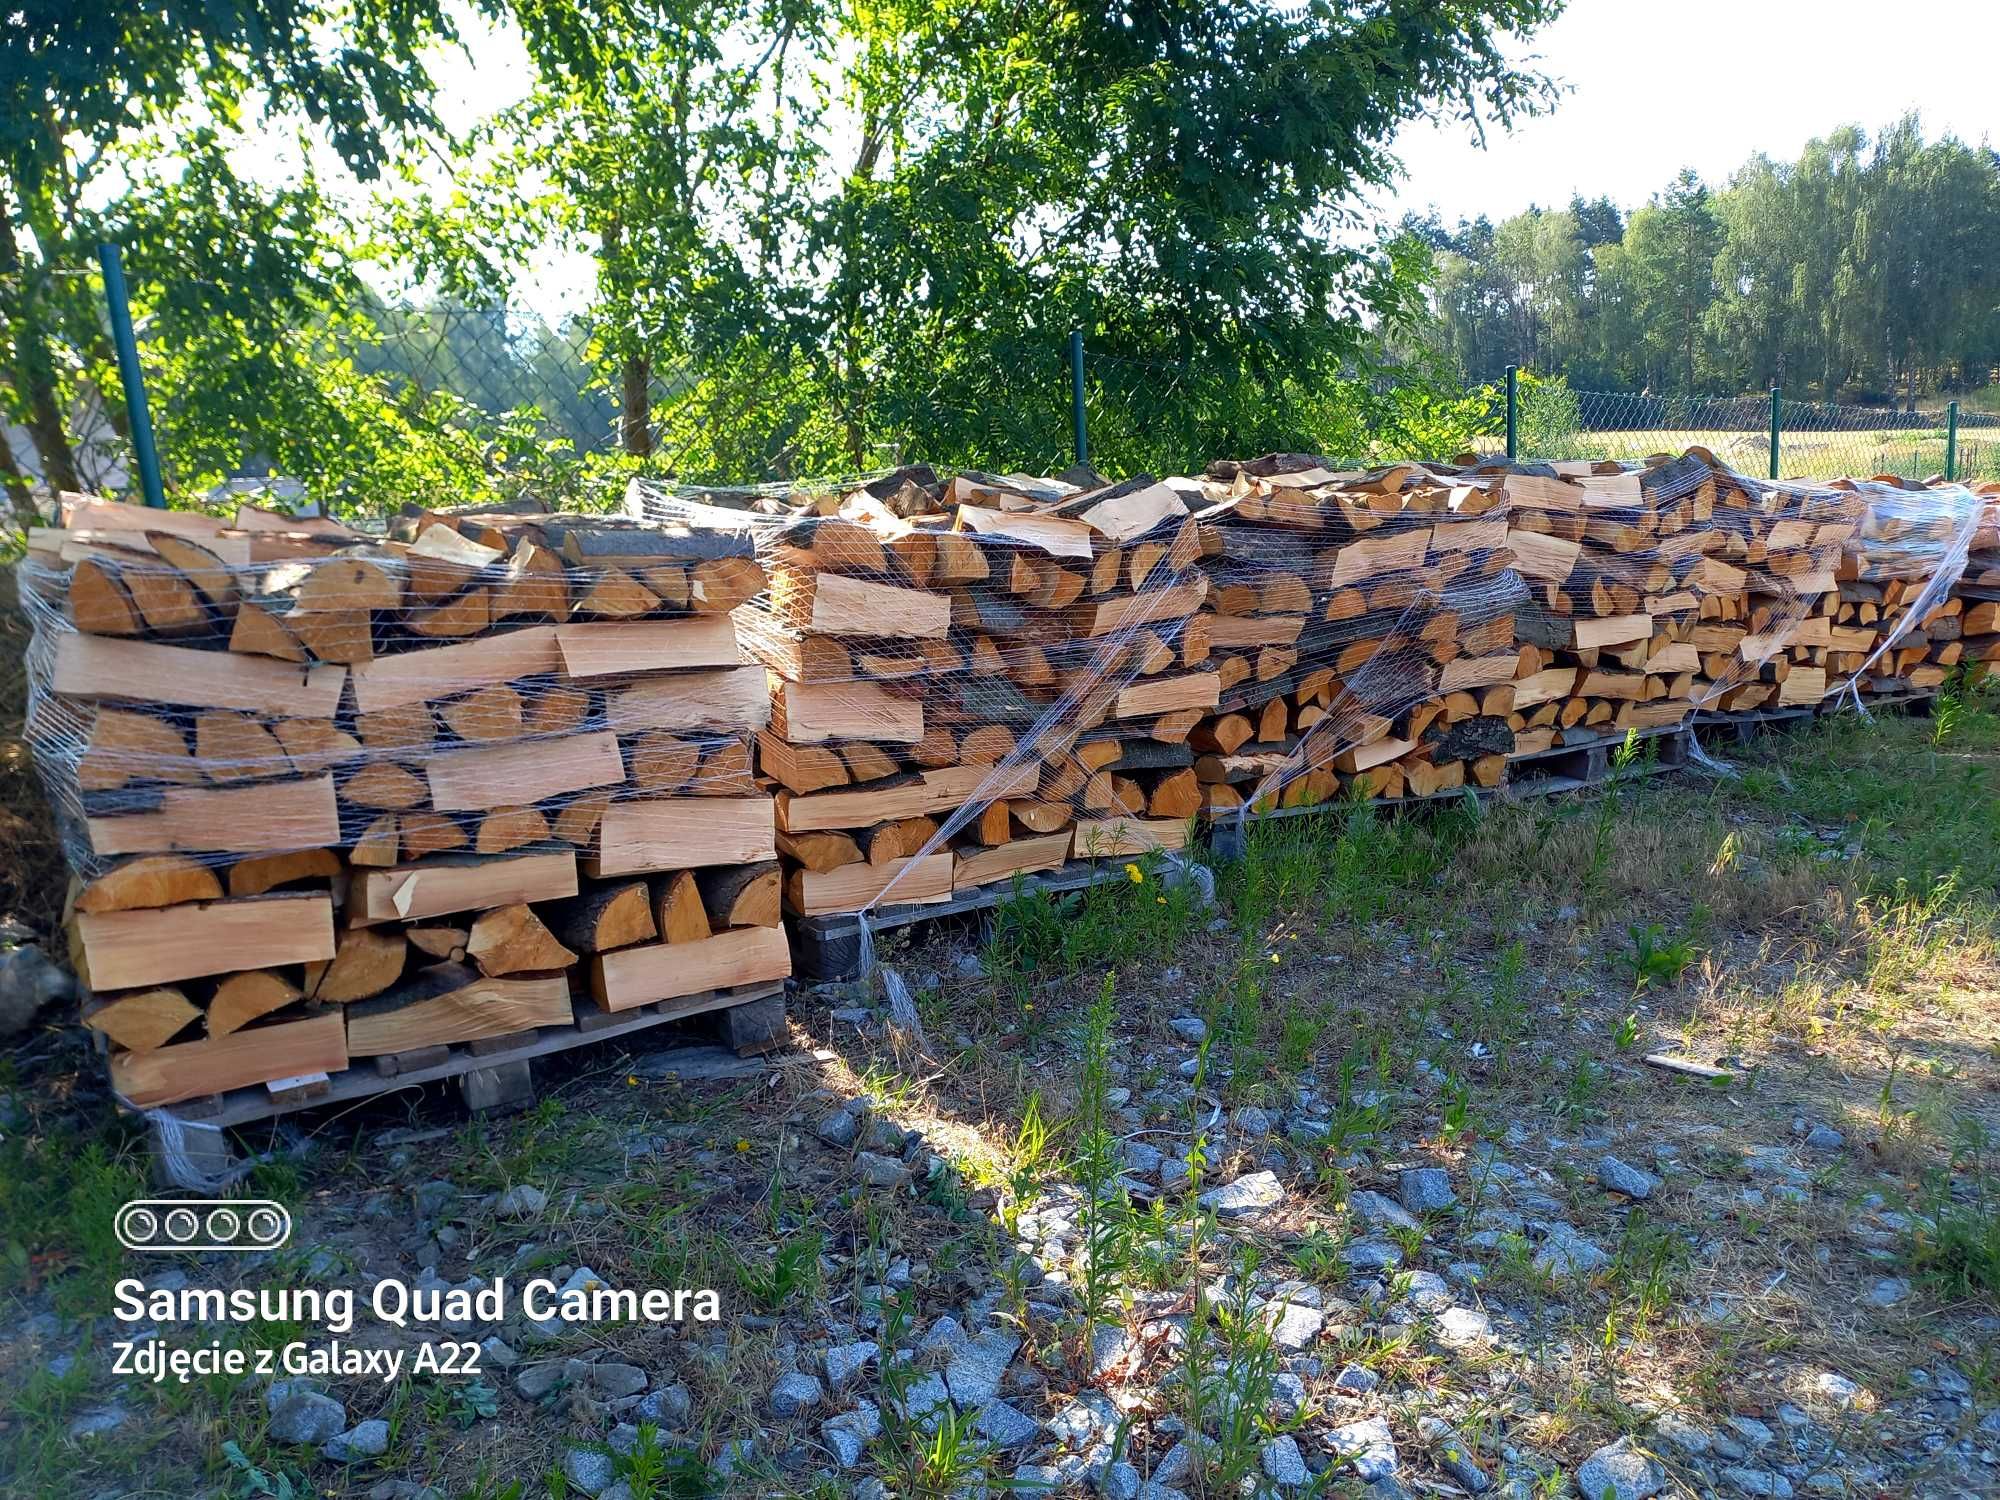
(1668, 586)
(972, 679)
(1902, 608)
(1361, 626)
(330, 797)
(1979, 588)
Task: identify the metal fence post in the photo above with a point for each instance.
(1775, 419)
(1951, 441)
(1513, 410)
(138, 415)
(1076, 395)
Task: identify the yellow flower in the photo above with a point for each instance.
(742, 1145)
(1136, 875)
(1274, 958)
(631, 1080)
(1160, 900)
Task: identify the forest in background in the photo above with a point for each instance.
(1866, 271)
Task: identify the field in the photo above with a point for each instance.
(1356, 1172)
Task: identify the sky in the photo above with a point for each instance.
(1652, 88)
(1648, 88)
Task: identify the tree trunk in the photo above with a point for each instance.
(33, 368)
(635, 413)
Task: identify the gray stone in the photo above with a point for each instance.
(1005, 1427)
(973, 1376)
(28, 982)
(850, 1433)
(1453, 1453)
(947, 1333)
(1141, 1158)
(1838, 1389)
(1426, 1190)
(1081, 1421)
(1250, 1120)
(1461, 1326)
(1824, 1138)
(668, 1406)
(1180, 1463)
(1376, 1210)
(1119, 1481)
(536, 1381)
(1372, 1255)
(1755, 1434)
(924, 1398)
(1283, 1464)
(1368, 1445)
(880, 1171)
(795, 1394)
(1356, 1378)
(306, 1417)
(613, 1379)
(845, 1362)
(98, 1421)
(498, 1353)
(588, 1469)
(1252, 1193)
(521, 1201)
(1620, 1178)
(1190, 1029)
(1174, 1171)
(1292, 1326)
(1888, 1291)
(1620, 1471)
(369, 1439)
(1676, 1431)
(1036, 1479)
(1765, 1482)
(1565, 1252)
(838, 1128)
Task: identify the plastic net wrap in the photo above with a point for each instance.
(422, 775)
(1979, 588)
(1900, 617)
(1361, 623)
(974, 678)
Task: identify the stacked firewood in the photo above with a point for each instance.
(330, 796)
(976, 678)
(1901, 605)
(1663, 587)
(1361, 625)
(1979, 588)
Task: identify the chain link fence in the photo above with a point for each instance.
(1811, 440)
(396, 400)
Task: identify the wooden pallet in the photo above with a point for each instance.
(829, 947)
(1577, 764)
(494, 1075)
(1560, 768)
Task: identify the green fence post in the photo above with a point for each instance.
(1513, 410)
(1076, 395)
(1774, 431)
(138, 415)
(1951, 441)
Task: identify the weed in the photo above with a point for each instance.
(1625, 1035)
(794, 1272)
(1106, 1225)
(1623, 759)
(1033, 1154)
(1958, 1251)
(1654, 958)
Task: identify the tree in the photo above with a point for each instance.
(827, 235)
(81, 85)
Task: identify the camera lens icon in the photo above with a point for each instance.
(168, 1224)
